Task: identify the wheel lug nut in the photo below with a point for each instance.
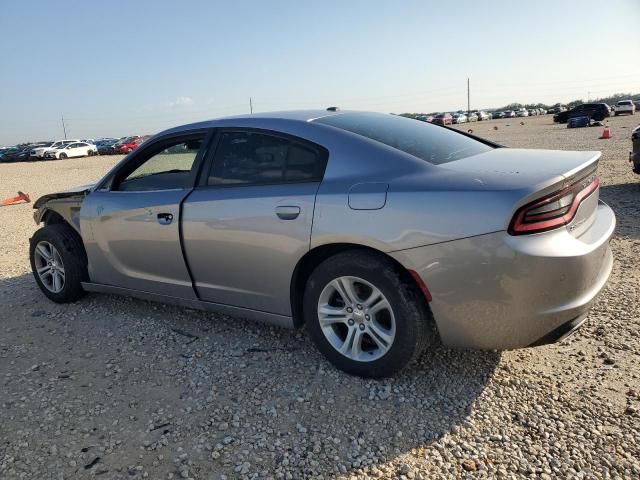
(367, 317)
(359, 307)
(361, 326)
(351, 322)
(349, 309)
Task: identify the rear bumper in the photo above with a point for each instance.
(498, 291)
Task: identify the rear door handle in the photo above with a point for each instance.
(289, 212)
(165, 218)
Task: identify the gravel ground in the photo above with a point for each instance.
(119, 388)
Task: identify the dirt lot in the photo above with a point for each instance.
(120, 388)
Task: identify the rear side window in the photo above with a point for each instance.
(249, 158)
(428, 142)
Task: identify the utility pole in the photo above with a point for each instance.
(64, 127)
(251, 105)
(468, 98)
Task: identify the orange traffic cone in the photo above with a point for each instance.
(606, 133)
(22, 197)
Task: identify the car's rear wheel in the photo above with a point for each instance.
(58, 262)
(364, 315)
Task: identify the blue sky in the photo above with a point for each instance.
(120, 67)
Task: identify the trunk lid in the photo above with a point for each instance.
(517, 166)
(536, 173)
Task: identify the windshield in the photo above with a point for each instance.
(428, 142)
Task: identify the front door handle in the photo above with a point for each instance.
(289, 212)
(165, 218)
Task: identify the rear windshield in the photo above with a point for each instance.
(428, 142)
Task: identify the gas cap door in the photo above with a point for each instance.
(368, 196)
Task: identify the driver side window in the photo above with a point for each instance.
(166, 166)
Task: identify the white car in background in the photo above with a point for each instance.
(40, 151)
(482, 115)
(76, 149)
(459, 118)
(625, 106)
(522, 112)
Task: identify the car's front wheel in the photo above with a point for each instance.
(58, 262)
(62, 156)
(365, 316)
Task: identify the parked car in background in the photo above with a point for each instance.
(509, 114)
(129, 144)
(425, 118)
(522, 112)
(107, 147)
(626, 107)
(443, 119)
(558, 109)
(6, 154)
(595, 111)
(459, 118)
(634, 155)
(38, 152)
(16, 154)
(472, 117)
(482, 115)
(532, 112)
(72, 150)
(497, 115)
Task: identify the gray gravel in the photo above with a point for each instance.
(119, 388)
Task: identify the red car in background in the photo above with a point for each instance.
(443, 119)
(129, 144)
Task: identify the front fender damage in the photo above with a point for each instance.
(61, 205)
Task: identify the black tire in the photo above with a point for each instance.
(414, 326)
(63, 156)
(69, 245)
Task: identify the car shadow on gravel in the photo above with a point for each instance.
(226, 385)
(624, 199)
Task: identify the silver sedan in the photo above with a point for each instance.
(380, 234)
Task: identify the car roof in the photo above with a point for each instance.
(291, 115)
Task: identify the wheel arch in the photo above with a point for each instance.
(317, 255)
(51, 217)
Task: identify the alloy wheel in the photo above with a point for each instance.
(49, 266)
(356, 319)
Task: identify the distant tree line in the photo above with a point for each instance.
(611, 100)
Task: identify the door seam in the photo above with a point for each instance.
(182, 248)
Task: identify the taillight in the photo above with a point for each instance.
(554, 210)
